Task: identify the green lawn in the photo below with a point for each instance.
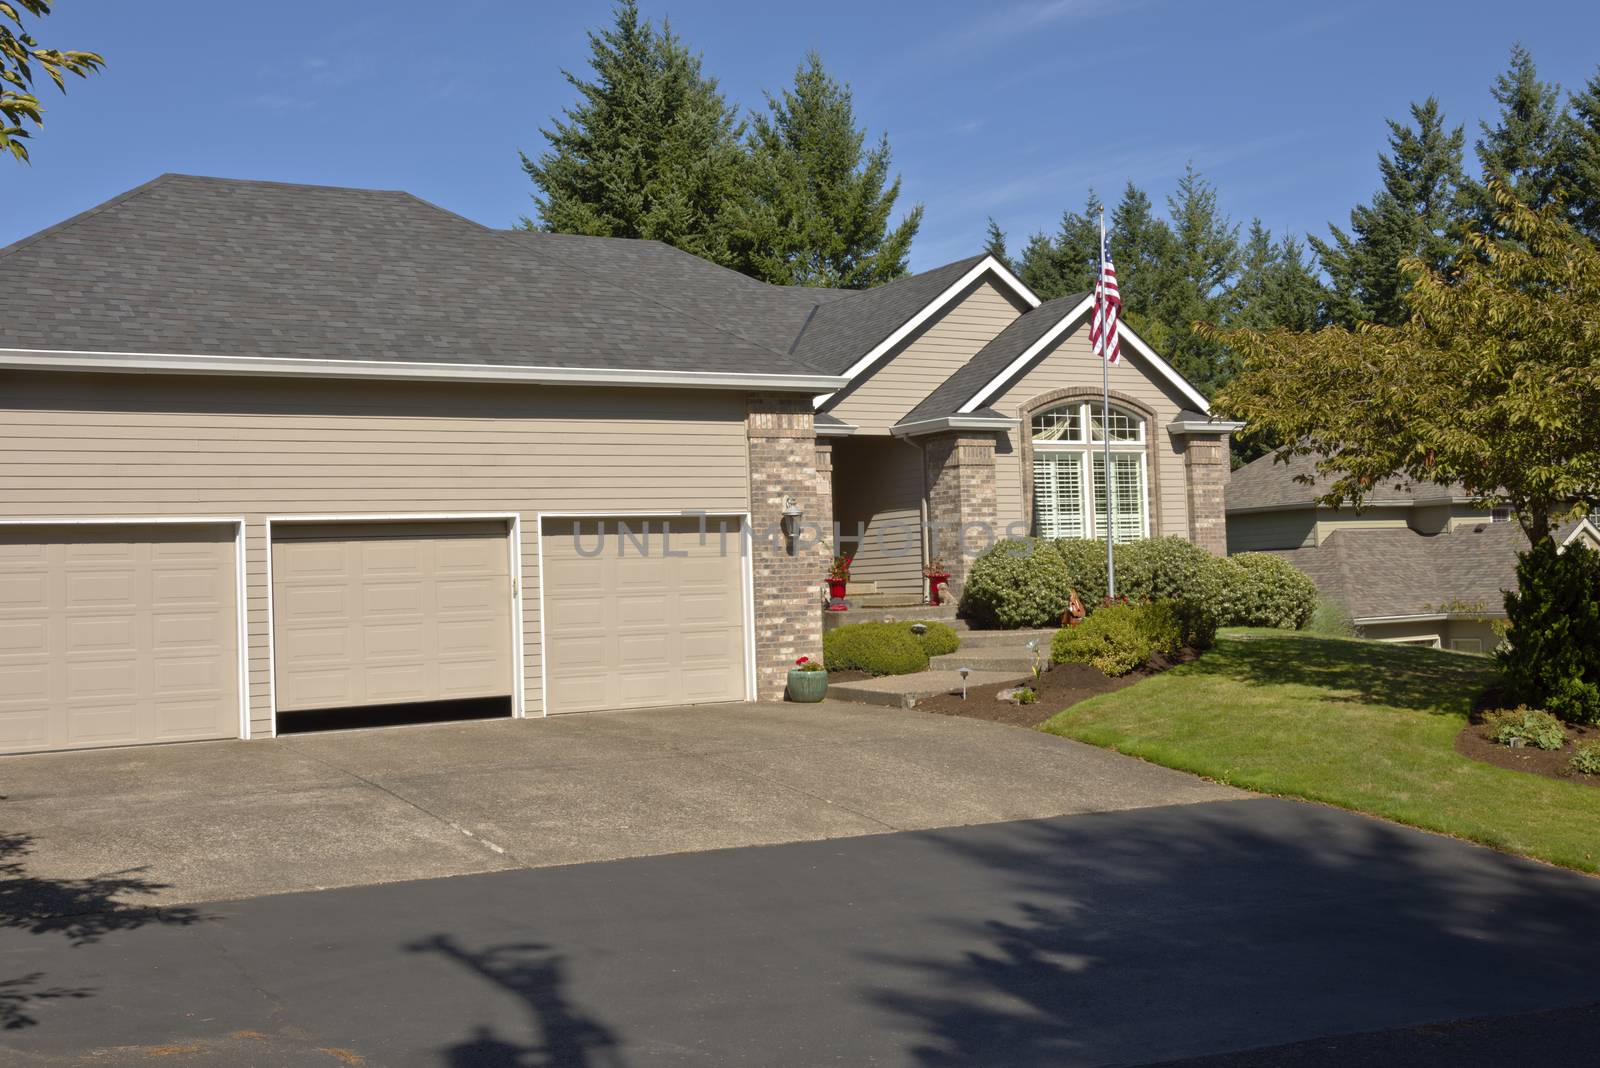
(1361, 725)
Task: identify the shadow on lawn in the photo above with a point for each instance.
(535, 975)
(79, 910)
(1425, 680)
(1170, 933)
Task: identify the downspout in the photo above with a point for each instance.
(922, 506)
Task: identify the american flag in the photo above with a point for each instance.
(1104, 335)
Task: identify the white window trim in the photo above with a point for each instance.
(513, 521)
(239, 578)
(1088, 447)
(746, 575)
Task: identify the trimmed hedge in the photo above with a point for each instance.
(885, 648)
(1112, 639)
(1026, 582)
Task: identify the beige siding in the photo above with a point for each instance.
(110, 446)
(1329, 520)
(878, 491)
(1258, 531)
(1072, 365)
(905, 379)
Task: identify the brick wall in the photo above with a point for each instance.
(1205, 461)
(961, 499)
(784, 454)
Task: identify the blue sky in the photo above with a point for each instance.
(1012, 109)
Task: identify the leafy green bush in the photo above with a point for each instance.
(1018, 582)
(1158, 624)
(1165, 569)
(1534, 726)
(1271, 592)
(1586, 759)
(876, 648)
(1026, 695)
(1551, 657)
(1111, 639)
(936, 639)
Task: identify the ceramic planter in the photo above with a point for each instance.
(807, 686)
(934, 582)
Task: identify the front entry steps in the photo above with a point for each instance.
(992, 655)
(904, 691)
(997, 650)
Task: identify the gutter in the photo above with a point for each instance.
(1209, 426)
(954, 422)
(836, 430)
(401, 370)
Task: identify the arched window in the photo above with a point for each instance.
(1068, 452)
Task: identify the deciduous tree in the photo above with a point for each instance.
(20, 55)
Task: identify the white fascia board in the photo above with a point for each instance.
(1432, 617)
(836, 430)
(1585, 528)
(988, 265)
(1192, 426)
(980, 398)
(953, 422)
(399, 370)
(1162, 367)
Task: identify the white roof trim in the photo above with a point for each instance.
(1196, 426)
(398, 370)
(985, 266)
(954, 422)
(1583, 527)
(1425, 618)
(836, 430)
(1162, 367)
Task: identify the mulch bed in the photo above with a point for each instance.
(1473, 742)
(1061, 687)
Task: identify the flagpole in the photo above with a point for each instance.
(1105, 410)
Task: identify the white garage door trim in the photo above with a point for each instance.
(234, 521)
(746, 577)
(513, 521)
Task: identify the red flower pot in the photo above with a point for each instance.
(836, 595)
(934, 582)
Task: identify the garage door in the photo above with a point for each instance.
(117, 635)
(382, 614)
(635, 619)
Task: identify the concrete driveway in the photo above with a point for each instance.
(225, 820)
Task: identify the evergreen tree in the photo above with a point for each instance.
(650, 150)
(1139, 243)
(1068, 262)
(1193, 276)
(1582, 177)
(819, 201)
(1417, 212)
(1524, 149)
(1294, 295)
(994, 243)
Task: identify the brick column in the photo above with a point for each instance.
(825, 493)
(788, 599)
(1205, 462)
(959, 468)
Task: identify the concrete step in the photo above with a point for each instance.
(1005, 660)
(1006, 639)
(910, 613)
(904, 691)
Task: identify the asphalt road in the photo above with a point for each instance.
(1160, 934)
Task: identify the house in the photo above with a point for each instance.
(1417, 564)
(272, 449)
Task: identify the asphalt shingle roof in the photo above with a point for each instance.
(993, 358)
(1266, 483)
(205, 266)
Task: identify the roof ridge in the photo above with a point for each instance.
(88, 213)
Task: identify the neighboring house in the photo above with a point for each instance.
(271, 449)
(1418, 565)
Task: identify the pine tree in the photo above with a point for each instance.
(1068, 262)
(650, 150)
(1193, 276)
(1525, 147)
(819, 201)
(1139, 243)
(1417, 212)
(1582, 177)
(994, 243)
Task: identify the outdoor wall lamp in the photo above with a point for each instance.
(790, 523)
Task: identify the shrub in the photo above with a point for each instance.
(1332, 619)
(1110, 639)
(1268, 591)
(936, 639)
(1165, 569)
(1018, 582)
(876, 648)
(1551, 657)
(1534, 726)
(1027, 696)
(1586, 759)
(1158, 624)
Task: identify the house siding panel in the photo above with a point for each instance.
(1250, 532)
(922, 364)
(1073, 365)
(100, 446)
(878, 493)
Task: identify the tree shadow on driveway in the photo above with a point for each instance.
(534, 974)
(80, 910)
(1175, 933)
